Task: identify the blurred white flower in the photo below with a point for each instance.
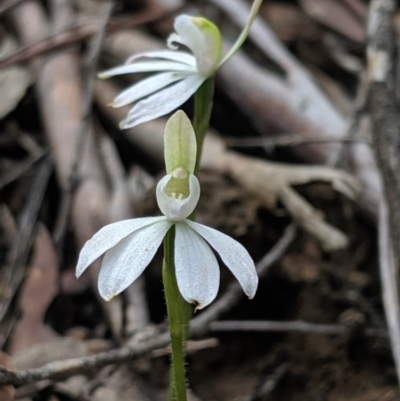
(180, 74)
(130, 245)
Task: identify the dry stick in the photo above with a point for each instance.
(88, 91)
(81, 31)
(61, 369)
(290, 327)
(286, 140)
(383, 108)
(26, 226)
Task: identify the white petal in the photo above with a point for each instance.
(147, 66)
(162, 102)
(197, 270)
(233, 254)
(146, 87)
(108, 237)
(181, 57)
(124, 263)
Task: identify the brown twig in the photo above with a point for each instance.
(383, 108)
(19, 253)
(297, 326)
(82, 31)
(61, 369)
(286, 140)
(191, 347)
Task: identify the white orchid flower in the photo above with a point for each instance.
(129, 246)
(179, 73)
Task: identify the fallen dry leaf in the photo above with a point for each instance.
(38, 291)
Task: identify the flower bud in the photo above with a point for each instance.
(179, 143)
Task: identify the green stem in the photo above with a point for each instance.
(246, 30)
(179, 313)
(203, 102)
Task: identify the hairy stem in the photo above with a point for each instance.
(179, 313)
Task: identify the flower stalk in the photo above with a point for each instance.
(179, 313)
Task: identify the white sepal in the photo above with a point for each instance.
(196, 267)
(147, 66)
(179, 56)
(125, 262)
(162, 102)
(146, 87)
(108, 237)
(178, 209)
(233, 254)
